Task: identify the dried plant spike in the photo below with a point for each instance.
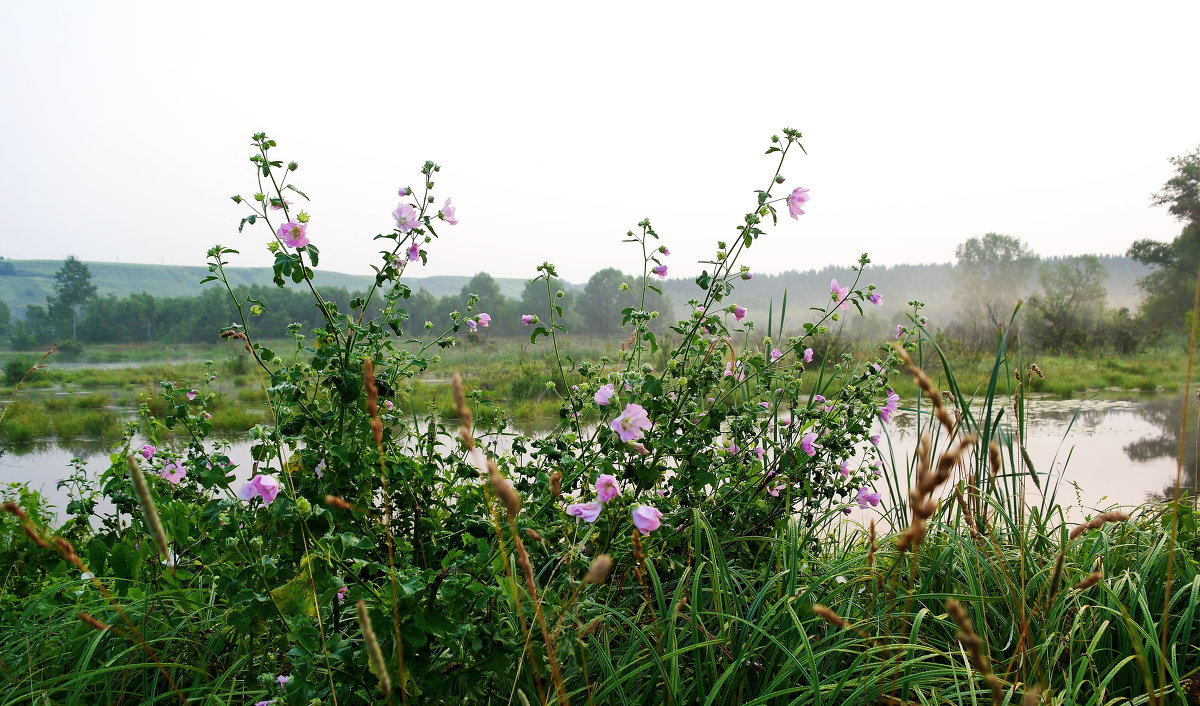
(372, 388)
(14, 509)
(147, 502)
(504, 489)
(1033, 368)
(337, 503)
(99, 625)
(556, 484)
(974, 645)
(599, 569)
(871, 547)
(1091, 580)
(1098, 522)
(994, 459)
(373, 652)
(829, 616)
(1033, 696)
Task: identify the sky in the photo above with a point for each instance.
(558, 126)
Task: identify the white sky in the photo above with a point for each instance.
(125, 126)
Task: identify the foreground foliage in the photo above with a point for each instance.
(670, 541)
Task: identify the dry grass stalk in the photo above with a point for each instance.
(974, 646)
(337, 503)
(1033, 696)
(373, 650)
(871, 547)
(466, 419)
(928, 480)
(556, 484)
(591, 627)
(830, 617)
(98, 624)
(639, 557)
(26, 524)
(151, 513)
(504, 490)
(531, 585)
(1091, 580)
(599, 569)
(1098, 522)
(1033, 368)
(968, 516)
(935, 396)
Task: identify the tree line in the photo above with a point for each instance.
(76, 313)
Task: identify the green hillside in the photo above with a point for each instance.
(30, 281)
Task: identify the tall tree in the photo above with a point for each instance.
(1170, 289)
(992, 272)
(1071, 303)
(73, 291)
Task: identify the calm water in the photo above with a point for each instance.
(1105, 450)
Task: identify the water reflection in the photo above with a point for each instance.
(1166, 415)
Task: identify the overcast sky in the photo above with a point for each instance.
(125, 126)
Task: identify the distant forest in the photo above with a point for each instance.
(172, 306)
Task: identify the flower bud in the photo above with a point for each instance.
(292, 166)
(236, 199)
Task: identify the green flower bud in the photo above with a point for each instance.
(303, 508)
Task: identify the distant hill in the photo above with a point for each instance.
(30, 281)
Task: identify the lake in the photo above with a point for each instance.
(1112, 448)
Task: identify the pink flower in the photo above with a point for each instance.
(796, 200)
(759, 451)
(663, 249)
(890, 405)
(640, 448)
(774, 490)
(278, 204)
(646, 518)
(840, 295)
(818, 398)
(776, 354)
(844, 469)
(899, 330)
(320, 469)
(148, 451)
(733, 449)
(764, 404)
(875, 439)
(632, 423)
(661, 271)
(283, 679)
(731, 370)
(414, 252)
(173, 476)
(293, 234)
(484, 319)
(208, 415)
(747, 276)
(876, 298)
(191, 395)
(588, 512)
(808, 354)
(447, 214)
(263, 486)
(389, 405)
(866, 497)
(606, 487)
(404, 191)
(604, 395)
(406, 218)
(341, 594)
(472, 324)
(528, 319)
(806, 444)
(739, 313)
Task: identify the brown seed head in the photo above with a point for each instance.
(15, 509)
(1091, 580)
(599, 569)
(99, 625)
(829, 616)
(504, 490)
(336, 502)
(556, 484)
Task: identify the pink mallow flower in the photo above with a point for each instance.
(661, 271)
(606, 487)
(472, 324)
(341, 593)
(806, 444)
(293, 234)
(867, 498)
(191, 395)
(632, 423)
(283, 679)
(588, 512)
(663, 249)
(796, 201)
(263, 486)
(808, 355)
(528, 319)
(876, 298)
(646, 518)
(414, 252)
(447, 214)
(604, 395)
(776, 354)
(484, 319)
(173, 472)
(899, 330)
(889, 406)
(147, 451)
(406, 218)
(841, 295)
(844, 469)
(739, 313)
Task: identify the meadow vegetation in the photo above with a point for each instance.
(671, 539)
